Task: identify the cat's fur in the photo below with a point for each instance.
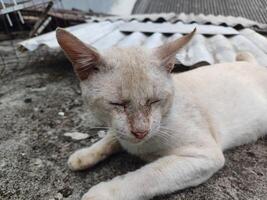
(180, 122)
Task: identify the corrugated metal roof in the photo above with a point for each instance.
(171, 28)
(186, 18)
(251, 9)
(206, 47)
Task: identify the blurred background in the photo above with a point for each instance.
(24, 19)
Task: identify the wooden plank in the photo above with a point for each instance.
(41, 21)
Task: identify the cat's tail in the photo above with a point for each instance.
(245, 56)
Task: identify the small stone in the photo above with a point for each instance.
(66, 191)
(49, 132)
(77, 102)
(77, 135)
(93, 140)
(62, 114)
(42, 89)
(2, 164)
(58, 196)
(101, 133)
(38, 163)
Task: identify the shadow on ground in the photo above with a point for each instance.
(33, 149)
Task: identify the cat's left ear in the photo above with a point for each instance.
(85, 58)
(166, 52)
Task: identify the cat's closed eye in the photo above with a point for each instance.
(123, 104)
(150, 102)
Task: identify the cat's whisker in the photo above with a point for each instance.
(169, 129)
(162, 136)
(168, 139)
(164, 142)
(166, 132)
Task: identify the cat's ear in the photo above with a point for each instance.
(166, 52)
(84, 58)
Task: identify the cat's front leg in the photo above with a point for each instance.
(165, 175)
(88, 157)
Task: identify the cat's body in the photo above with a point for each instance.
(232, 97)
(180, 122)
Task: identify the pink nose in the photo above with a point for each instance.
(139, 134)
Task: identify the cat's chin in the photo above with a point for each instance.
(134, 141)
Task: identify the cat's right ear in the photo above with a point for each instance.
(166, 52)
(84, 58)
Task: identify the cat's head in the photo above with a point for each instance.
(130, 89)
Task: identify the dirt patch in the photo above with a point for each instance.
(34, 150)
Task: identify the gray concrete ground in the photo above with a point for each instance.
(34, 150)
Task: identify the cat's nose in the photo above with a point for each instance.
(139, 134)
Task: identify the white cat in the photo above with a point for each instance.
(179, 122)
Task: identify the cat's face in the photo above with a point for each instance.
(130, 92)
(130, 89)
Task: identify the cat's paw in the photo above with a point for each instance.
(81, 159)
(102, 191)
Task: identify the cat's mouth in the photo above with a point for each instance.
(133, 140)
(137, 137)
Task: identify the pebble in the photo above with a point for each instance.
(42, 89)
(58, 196)
(2, 164)
(38, 163)
(61, 114)
(66, 191)
(77, 135)
(101, 133)
(93, 140)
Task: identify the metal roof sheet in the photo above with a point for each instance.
(251, 9)
(186, 18)
(206, 47)
(178, 27)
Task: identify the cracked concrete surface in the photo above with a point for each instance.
(34, 150)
